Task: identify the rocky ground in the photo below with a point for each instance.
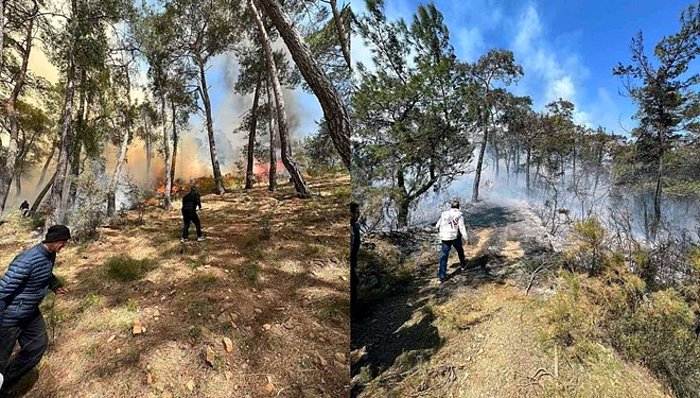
(477, 335)
(261, 309)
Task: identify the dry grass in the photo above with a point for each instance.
(492, 346)
(282, 301)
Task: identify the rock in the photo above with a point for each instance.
(289, 325)
(119, 350)
(190, 385)
(223, 318)
(340, 356)
(137, 327)
(234, 317)
(258, 311)
(149, 379)
(267, 327)
(269, 387)
(210, 356)
(228, 344)
(111, 338)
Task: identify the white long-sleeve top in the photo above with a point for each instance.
(450, 224)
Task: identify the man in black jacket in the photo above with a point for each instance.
(190, 203)
(22, 288)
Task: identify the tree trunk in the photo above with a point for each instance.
(340, 31)
(12, 152)
(83, 100)
(2, 32)
(175, 142)
(167, 204)
(334, 109)
(403, 213)
(479, 165)
(656, 221)
(218, 179)
(46, 164)
(123, 146)
(272, 172)
(249, 177)
(527, 170)
(40, 197)
(149, 153)
(56, 213)
(289, 163)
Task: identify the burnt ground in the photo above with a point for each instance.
(476, 335)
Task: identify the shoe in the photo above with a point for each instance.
(201, 239)
(183, 240)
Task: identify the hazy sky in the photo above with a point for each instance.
(567, 48)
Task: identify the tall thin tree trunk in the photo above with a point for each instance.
(41, 195)
(334, 109)
(479, 166)
(56, 213)
(656, 221)
(289, 163)
(2, 32)
(527, 170)
(340, 31)
(272, 172)
(218, 179)
(175, 142)
(124, 145)
(249, 177)
(149, 152)
(83, 100)
(47, 163)
(7, 170)
(167, 204)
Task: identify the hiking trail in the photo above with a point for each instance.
(476, 335)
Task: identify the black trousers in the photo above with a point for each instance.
(33, 340)
(190, 216)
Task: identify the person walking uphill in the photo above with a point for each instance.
(190, 203)
(451, 229)
(22, 288)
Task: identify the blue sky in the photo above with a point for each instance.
(567, 48)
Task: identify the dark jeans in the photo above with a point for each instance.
(33, 340)
(190, 216)
(445, 253)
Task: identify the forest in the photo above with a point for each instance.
(132, 78)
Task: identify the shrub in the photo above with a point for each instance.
(251, 271)
(588, 235)
(127, 269)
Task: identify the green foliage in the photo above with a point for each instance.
(251, 271)
(588, 255)
(126, 269)
(411, 121)
(570, 318)
(656, 329)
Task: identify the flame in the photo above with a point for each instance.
(260, 170)
(160, 190)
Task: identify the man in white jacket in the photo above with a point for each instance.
(451, 229)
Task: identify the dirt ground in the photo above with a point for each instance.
(478, 334)
(260, 309)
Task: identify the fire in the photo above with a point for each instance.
(160, 190)
(262, 169)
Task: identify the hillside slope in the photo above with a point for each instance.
(271, 279)
(479, 334)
